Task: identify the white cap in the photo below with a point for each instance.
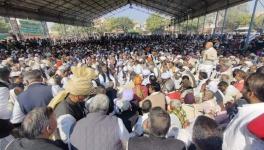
(162, 58)
(119, 63)
(146, 72)
(165, 75)
(15, 73)
(125, 68)
(138, 69)
(21, 59)
(212, 86)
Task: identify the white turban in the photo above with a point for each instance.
(146, 72)
(162, 58)
(138, 69)
(15, 74)
(128, 95)
(165, 75)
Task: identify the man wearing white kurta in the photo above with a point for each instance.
(209, 58)
(237, 136)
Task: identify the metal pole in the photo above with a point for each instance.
(224, 22)
(187, 25)
(64, 29)
(204, 23)
(251, 23)
(180, 28)
(197, 28)
(174, 26)
(216, 18)
(191, 26)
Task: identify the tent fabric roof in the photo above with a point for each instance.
(82, 12)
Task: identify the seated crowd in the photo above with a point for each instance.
(145, 93)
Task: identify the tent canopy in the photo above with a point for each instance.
(82, 12)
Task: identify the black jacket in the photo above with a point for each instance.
(155, 143)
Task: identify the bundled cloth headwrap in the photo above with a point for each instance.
(79, 84)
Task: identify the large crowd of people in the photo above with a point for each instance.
(193, 92)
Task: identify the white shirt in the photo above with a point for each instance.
(232, 94)
(5, 113)
(17, 114)
(106, 80)
(237, 136)
(210, 54)
(138, 128)
(197, 90)
(175, 122)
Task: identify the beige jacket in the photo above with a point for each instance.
(157, 99)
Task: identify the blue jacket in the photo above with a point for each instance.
(37, 95)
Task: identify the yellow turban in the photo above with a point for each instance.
(79, 84)
(137, 80)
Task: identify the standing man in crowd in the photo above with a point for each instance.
(209, 58)
(209, 54)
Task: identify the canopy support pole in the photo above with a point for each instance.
(187, 25)
(251, 24)
(204, 23)
(216, 18)
(197, 26)
(224, 22)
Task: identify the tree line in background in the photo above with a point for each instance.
(154, 24)
(4, 25)
(238, 16)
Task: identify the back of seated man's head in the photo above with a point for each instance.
(260, 70)
(158, 122)
(253, 88)
(99, 103)
(169, 86)
(155, 87)
(4, 73)
(206, 135)
(222, 86)
(33, 76)
(146, 106)
(152, 79)
(39, 123)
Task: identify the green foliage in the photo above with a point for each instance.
(259, 21)
(191, 26)
(69, 30)
(123, 23)
(4, 27)
(156, 23)
(237, 16)
(58, 28)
